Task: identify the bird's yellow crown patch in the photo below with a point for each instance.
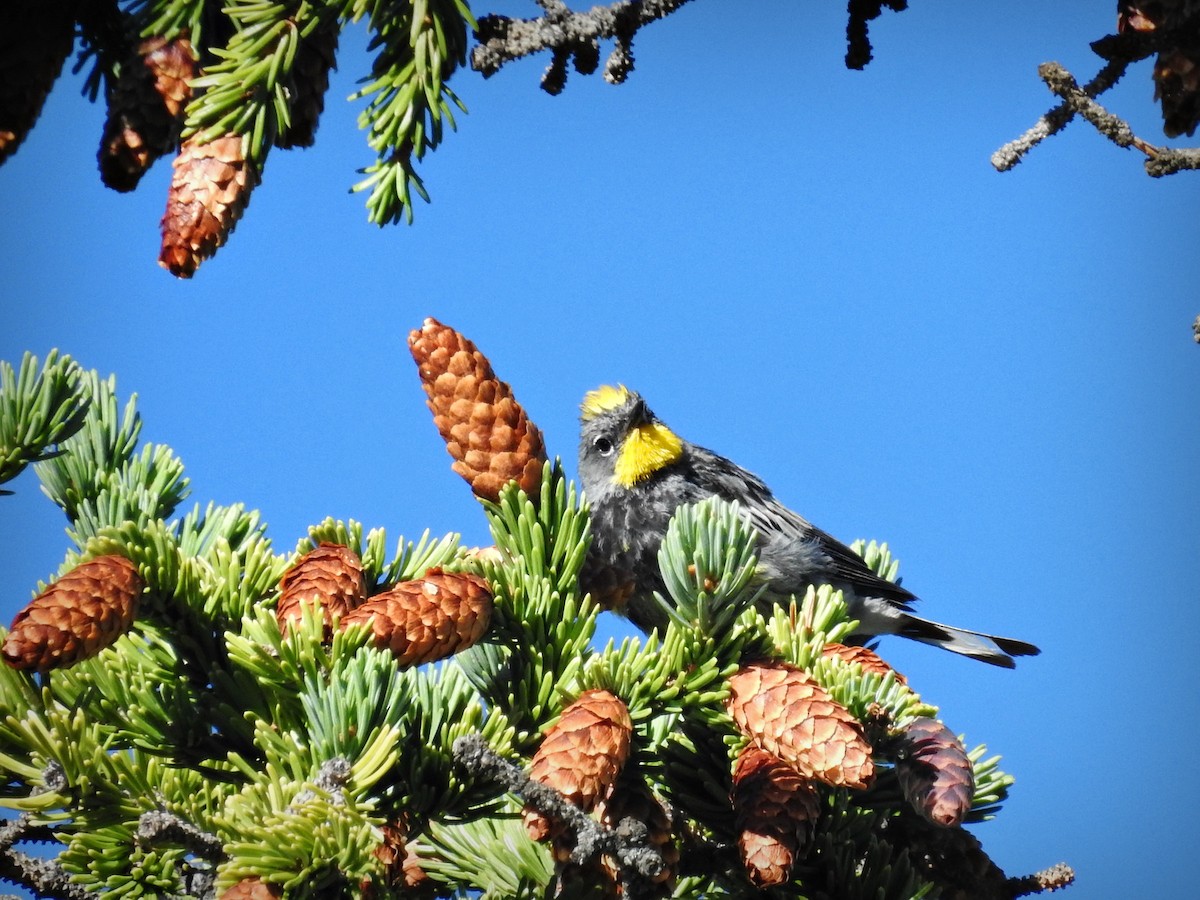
(645, 450)
(603, 399)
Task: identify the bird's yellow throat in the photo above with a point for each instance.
(645, 450)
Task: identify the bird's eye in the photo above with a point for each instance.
(603, 445)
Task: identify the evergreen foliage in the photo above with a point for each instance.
(206, 745)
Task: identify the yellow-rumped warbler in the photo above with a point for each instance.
(637, 472)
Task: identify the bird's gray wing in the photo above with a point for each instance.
(788, 534)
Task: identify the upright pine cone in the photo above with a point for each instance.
(775, 809)
(76, 617)
(582, 755)
(330, 574)
(209, 191)
(486, 431)
(786, 713)
(871, 661)
(428, 618)
(252, 889)
(935, 772)
(145, 110)
(308, 84)
(35, 38)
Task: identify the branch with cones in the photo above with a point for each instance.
(326, 720)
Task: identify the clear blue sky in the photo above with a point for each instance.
(813, 271)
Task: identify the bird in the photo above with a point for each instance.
(636, 472)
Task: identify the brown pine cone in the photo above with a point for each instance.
(75, 617)
(486, 431)
(252, 889)
(871, 661)
(786, 713)
(35, 38)
(145, 110)
(209, 191)
(428, 618)
(1177, 68)
(935, 773)
(631, 798)
(309, 82)
(775, 811)
(331, 575)
(582, 755)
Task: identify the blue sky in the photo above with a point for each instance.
(813, 271)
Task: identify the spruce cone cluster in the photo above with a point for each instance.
(581, 756)
(330, 575)
(486, 431)
(1177, 68)
(935, 773)
(429, 618)
(209, 191)
(418, 621)
(35, 38)
(75, 617)
(783, 711)
(775, 811)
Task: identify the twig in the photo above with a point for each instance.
(858, 41)
(626, 843)
(568, 34)
(1159, 160)
(1051, 879)
(1056, 119)
(45, 876)
(162, 827)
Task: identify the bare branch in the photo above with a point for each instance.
(1159, 160)
(1051, 879)
(567, 33)
(1056, 119)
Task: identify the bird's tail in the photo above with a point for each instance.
(999, 651)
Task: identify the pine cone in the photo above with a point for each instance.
(35, 38)
(209, 191)
(582, 755)
(788, 714)
(487, 432)
(429, 618)
(631, 798)
(309, 82)
(252, 889)
(775, 810)
(145, 110)
(330, 574)
(1177, 68)
(935, 773)
(871, 661)
(75, 617)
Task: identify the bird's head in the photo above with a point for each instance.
(621, 441)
